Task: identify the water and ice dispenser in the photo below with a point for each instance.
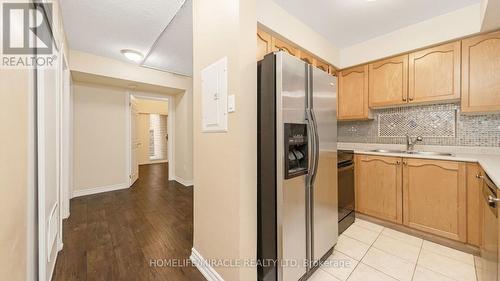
(296, 150)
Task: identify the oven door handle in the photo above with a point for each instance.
(489, 190)
(343, 169)
(493, 200)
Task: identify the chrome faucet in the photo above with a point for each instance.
(410, 143)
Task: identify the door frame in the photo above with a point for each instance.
(65, 135)
(170, 130)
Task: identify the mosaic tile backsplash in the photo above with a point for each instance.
(438, 125)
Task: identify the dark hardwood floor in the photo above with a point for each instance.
(118, 235)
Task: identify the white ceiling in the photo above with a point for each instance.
(347, 22)
(104, 27)
(174, 49)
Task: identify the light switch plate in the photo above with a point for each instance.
(231, 104)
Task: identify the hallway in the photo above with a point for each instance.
(116, 235)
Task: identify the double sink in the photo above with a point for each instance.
(428, 153)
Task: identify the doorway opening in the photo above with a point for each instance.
(151, 133)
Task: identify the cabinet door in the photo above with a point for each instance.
(378, 187)
(474, 203)
(434, 197)
(279, 45)
(263, 44)
(480, 73)
(389, 82)
(353, 93)
(434, 74)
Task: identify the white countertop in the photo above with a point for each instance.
(487, 157)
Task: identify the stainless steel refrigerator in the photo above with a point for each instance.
(297, 168)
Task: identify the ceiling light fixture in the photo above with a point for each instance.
(132, 55)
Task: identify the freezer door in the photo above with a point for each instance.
(324, 188)
(291, 192)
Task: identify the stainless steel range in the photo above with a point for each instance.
(345, 165)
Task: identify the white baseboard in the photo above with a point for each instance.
(206, 269)
(100, 189)
(183, 181)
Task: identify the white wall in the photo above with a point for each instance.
(14, 173)
(490, 15)
(275, 18)
(100, 137)
(152, 106)
(225, 166)
(101, 70)
(102, 66)
(456, 24)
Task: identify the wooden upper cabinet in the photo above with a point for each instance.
(322, 65)
(332, 70)
(435, 198)
(434, 74)
(481, 73)
(378, 189)
(264, 44)
(353, 94)
(279, 45)
(267, 43)
(389, 82)
(306, 57)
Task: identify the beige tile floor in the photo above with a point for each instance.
(370, 252)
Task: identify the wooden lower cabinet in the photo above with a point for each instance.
(378, 187)
(439, 197)
(474, 203)
(435, 197)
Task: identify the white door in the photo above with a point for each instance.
(48, 134)
(134, 121)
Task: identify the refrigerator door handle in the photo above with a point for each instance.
(311, 142)
(315, 148)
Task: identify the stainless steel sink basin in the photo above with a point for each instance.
(430, 153)
(387, 151)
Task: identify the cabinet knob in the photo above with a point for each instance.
(405, 163)
(404, 99)
(411, 99)
(398, 163)
(479, 176)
